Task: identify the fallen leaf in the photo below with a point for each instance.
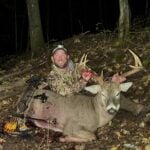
(142, 124)
(131, 146)
(147, 147)
(80, 147)
(125, 131)
(116, 147)
(118, 134)
(146, 140)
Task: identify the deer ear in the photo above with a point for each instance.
(125, 86)
(94, 89)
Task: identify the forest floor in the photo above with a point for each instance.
(125, 131)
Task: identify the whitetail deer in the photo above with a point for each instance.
(78, 116)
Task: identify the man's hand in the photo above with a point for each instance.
(87, 75)
(118, 78)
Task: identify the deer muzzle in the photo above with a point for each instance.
(112, 109)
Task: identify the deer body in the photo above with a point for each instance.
(77, 116)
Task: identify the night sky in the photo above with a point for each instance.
(62, 19)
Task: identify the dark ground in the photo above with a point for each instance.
(125, 131)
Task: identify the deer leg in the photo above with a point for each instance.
(130, 106)
(75, 133)
(82, 136)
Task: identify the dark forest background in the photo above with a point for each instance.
(63, 19)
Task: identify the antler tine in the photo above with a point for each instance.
(81, 60)
(136, 68)
(102, 75)
(100, 79)
(137, 60)
(85, 60)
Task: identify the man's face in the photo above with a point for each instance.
(60, 58)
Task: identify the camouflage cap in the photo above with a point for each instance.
(60, 47)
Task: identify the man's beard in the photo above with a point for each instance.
(64, 66)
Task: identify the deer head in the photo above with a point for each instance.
(108, 94)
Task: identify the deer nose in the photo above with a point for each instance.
(112, 109)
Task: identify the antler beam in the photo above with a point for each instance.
(136, 68)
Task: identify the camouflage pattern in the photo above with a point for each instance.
(63, 82)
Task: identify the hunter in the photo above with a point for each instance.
(61, 78)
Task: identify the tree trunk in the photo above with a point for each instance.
(35, 27)
(124, 20)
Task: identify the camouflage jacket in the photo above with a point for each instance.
(63, 82)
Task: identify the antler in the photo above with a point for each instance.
(82, 64)
(83, 60)
(100, 78)
(136, 68)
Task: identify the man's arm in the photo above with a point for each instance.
(65, 84)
